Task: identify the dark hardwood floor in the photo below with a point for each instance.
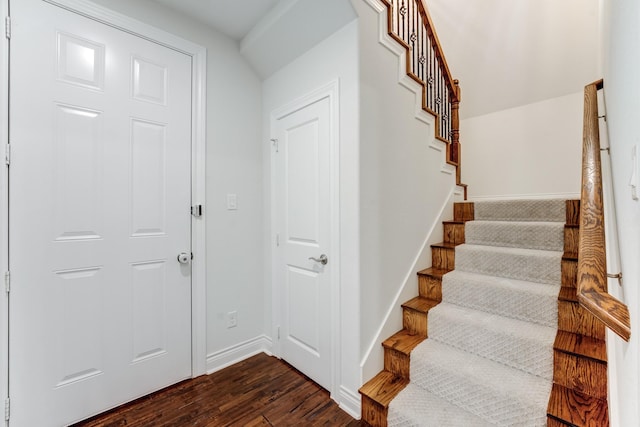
(260, 391)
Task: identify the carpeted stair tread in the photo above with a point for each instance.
(517, 299)
(424, 409)
(512, 342)
(516, 234)
(495, 392)
(553, 210)
(489, 356)
(516, 263)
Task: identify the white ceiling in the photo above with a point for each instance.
(504, 52)
(508, 53)
(235, 18)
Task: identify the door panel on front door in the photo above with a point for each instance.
(302, 192)
(100, 191)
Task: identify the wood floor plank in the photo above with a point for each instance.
(259, 391)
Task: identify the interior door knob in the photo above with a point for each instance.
(184, 258)
(322, 260)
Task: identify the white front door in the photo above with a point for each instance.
(302, 171)
(100, 189)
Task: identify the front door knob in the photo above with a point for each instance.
(184, 258)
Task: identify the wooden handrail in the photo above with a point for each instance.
(410, 24)
(451, 82)
(592, 263)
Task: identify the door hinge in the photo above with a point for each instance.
(7, 281)
(7, 154)
(278, 331)
(196, 211)
(278, 240)
(7, 27)
(7, 409)
(274, 141)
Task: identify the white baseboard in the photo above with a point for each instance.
(350, 402)
(539, 196)
(237, 353)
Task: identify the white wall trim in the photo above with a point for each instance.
(198, 147)
(4, 209)
(395, 304)
(350, 402)
(394, 47)
(331, 90)
(238, 352)
(537, 196)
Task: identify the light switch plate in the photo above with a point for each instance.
(634, 182)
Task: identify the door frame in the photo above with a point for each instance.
(330, 90)
(198, 55)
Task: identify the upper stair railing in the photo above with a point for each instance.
(410, 24)
(592, 263)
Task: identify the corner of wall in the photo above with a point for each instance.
(238, 352)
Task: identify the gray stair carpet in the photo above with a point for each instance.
(488, 360)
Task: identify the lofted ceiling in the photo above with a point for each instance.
(505, 53)
(508, 53)
(234, 18)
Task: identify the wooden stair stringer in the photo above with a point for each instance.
(378, 392)
(579, 393)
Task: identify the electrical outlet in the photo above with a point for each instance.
(232, 202)
(232, 319)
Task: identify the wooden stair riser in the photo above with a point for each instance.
(569, 272)
(576, 409)
(430, 287)
(373, 413)
(463, 211)
(552, 422)
(453, 232)
(414, 321)
(571, 239)
(397, 362)
(397, 349)
(442, 257)
(573, 318)
(580, 373)
(572, 212)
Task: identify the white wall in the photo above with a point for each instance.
(402, 189)
(511, 53)
(4, 301)
(334, 58)
(529, 151)
(622, 99)
(234, 165)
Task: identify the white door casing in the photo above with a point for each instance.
(100, 195)
(306, 225)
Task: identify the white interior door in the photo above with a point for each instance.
(100, 189)
(303, 222)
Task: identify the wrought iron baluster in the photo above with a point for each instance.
(414, 39)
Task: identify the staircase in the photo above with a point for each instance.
(508, 342)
